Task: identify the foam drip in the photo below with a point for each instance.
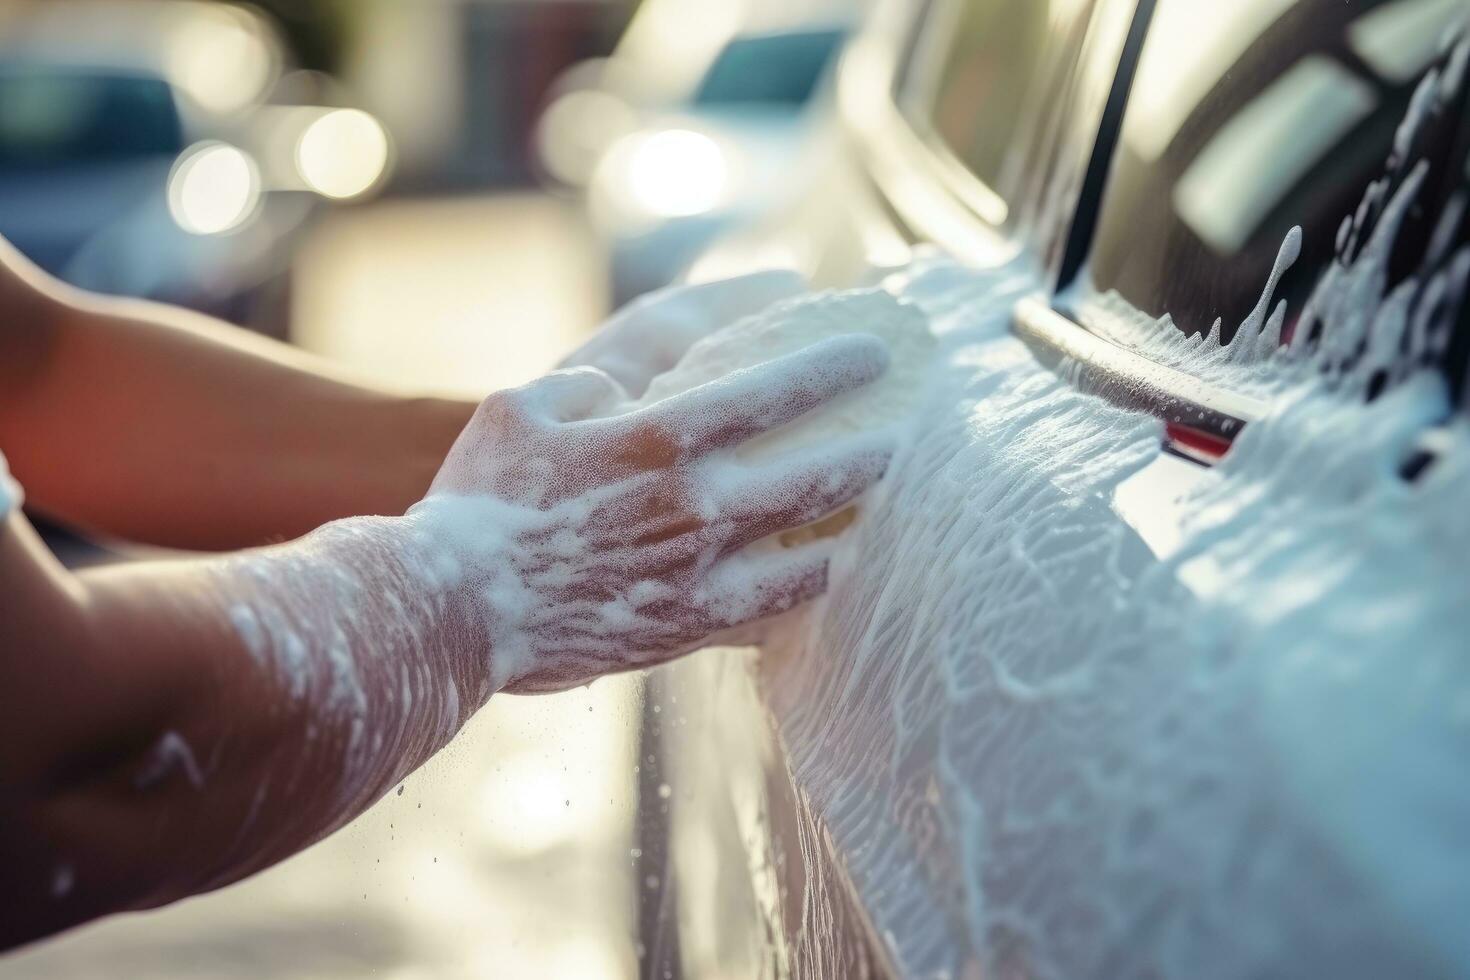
(1354, 330)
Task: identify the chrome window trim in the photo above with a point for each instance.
(924, 184)
(930, 194)
(1186, 404)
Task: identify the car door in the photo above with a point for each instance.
(1095, 694)
(738, 879)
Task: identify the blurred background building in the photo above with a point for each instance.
(375, 181)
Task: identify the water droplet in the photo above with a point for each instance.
(665, 791)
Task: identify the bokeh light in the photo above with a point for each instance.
(215, 188)
(344, 154)
(576, 130)
(220, 59)
(675, 173)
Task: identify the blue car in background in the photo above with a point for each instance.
(140, 154)
(677, 147)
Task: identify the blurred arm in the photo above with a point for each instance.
(147, 754)
(162, 426)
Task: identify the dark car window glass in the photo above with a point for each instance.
(774, 69)
(1256, 116)
(50, 118)
(985, 80)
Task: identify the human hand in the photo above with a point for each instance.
(651, 334)
(589, 544)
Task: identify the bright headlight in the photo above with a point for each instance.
(220, 58)
(344, 154)
(672, 174)
(214, 188)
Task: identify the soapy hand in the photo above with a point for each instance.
(651, 334)
(593, 541)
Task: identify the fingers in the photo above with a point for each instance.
(801, 489)
(573, 395)
(744, 404)
(652, 333)
(721, 303)
(751, 586)
(667, 324)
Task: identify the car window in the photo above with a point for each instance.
(986, 82)
(773, 69)
(1251, 117)
(51, 118)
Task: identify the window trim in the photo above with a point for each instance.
(956, 211)
(1202, 419)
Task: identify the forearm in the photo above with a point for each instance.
(162, 426)
(235, 711)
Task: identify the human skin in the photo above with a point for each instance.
(261, 442)
(167, 728)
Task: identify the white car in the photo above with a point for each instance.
(1150, 659)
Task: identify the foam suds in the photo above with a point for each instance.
(1040, 750)
(1037, 747)
(797, 324)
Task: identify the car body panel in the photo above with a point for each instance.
(149, 84)
(958, 764)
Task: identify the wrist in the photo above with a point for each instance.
(349, 621)
(397, 582)
(463, 556)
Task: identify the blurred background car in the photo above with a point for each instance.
(147, 149)
(705, 120)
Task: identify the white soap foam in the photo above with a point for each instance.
(1041, 751)
(796, 325)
